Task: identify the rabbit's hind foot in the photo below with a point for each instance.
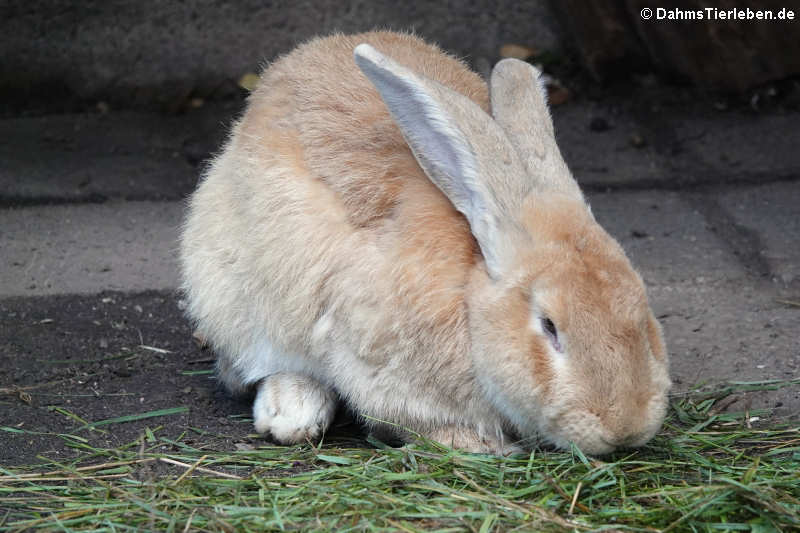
(293, 408)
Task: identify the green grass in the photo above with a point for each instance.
(706, 471)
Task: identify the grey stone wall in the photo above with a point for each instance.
(720, 49)
(139, 51)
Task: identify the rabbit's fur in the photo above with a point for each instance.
(321, 261)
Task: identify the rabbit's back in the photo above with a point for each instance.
(316, 231)
(349, 140)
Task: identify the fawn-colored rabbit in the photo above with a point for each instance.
(371, 232)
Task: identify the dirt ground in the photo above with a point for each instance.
(69, 361)
(72, 360)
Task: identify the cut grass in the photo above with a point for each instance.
(706, 471)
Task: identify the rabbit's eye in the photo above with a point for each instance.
(550, 329)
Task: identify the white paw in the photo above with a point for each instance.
(293, 408)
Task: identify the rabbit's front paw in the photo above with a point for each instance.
(293, 408)
(470, 440)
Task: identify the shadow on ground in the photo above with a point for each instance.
(69, 365)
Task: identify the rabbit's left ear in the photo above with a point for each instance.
(519, 106)
(459, 147)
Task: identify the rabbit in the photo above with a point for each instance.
(385, 230)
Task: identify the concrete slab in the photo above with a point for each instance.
(675, 147)
(607, 157)
(666, 237)
(96, 156)
(738, 143)
(721, 320)
(64, 249)
(89, 248)
(731, 331)
(772, 213)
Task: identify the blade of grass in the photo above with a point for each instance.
(139, 416)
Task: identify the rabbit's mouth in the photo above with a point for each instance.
(602, 432)
(582, 429)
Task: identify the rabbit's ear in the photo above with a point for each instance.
(519, 106)
(455, 143)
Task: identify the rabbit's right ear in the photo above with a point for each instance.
(455, 143)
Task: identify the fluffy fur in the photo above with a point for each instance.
(320, 260)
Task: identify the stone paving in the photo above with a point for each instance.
(707, 204)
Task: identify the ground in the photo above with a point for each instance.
(83, 360)
(702, 192)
